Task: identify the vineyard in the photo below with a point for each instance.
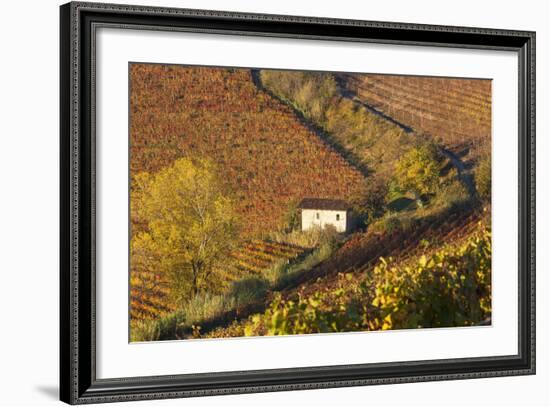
(450, 287)
(364, 250)
(219, 159)
(455, 112)
(266, 156)
(365, 138)
(150, 295)
(257, 256)
(337, 287)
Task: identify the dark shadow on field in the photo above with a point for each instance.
(351, 159)
(402, 204)
(465, 176)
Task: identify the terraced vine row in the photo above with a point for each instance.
(257, 255)
(455, 111)
(362, 253)
(364, 250)
(149, 296)
(448, 288)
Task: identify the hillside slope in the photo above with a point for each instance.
(455, 112)
(368, 139)
(266, 156)
(360, 256)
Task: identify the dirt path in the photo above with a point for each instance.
(465, 176)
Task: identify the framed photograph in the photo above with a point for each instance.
(255, 203)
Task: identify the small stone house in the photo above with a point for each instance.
(317, 212)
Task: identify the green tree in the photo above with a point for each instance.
(418, 170)
(191, 222)
(370, 203)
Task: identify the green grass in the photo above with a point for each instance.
(288, 272)
(307, 239)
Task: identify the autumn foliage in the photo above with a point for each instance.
(262, 151)
(220, 159)
(450, 287)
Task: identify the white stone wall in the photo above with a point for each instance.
(321, 218)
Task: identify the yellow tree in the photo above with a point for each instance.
(191, 224)
(417, 171)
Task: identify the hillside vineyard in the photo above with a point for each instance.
(262, 151)
(270, 202)
(456, 112)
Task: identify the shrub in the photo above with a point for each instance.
(310, 238)
(205, 306)
(306, 315)
(370, 204)
(248, 290)
(417, 171)
(453, 194)
(156, 329)
(450, 288)
(392, 223)
(290, 271)
(277, 270)
(144, 331)
(482, 176)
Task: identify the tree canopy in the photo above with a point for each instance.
(418, 170)
(191, 225)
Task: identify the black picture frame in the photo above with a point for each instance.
(78, 382)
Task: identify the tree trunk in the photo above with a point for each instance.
(195, 282)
